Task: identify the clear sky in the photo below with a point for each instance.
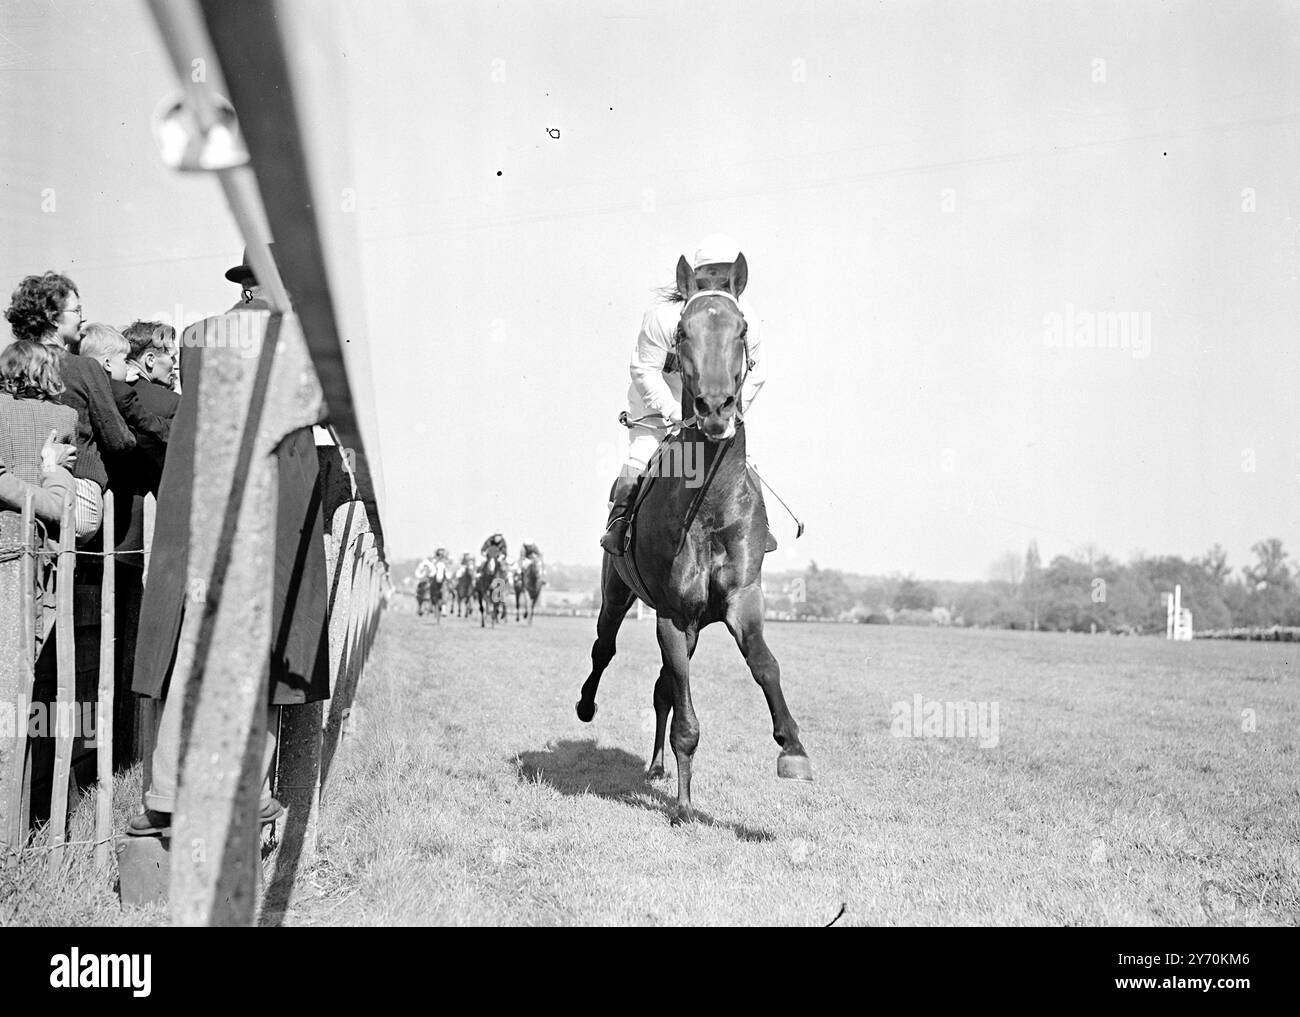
(921, 190)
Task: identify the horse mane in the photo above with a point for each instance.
(670, 294)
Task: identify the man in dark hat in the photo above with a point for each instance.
(244, 276)
(299, 666)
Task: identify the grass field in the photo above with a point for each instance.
(1125, 787)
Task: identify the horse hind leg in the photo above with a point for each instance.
(615, 599)
(675, 644)
(663, 703)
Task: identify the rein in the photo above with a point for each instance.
(698, 500)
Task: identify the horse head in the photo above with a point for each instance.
(711, 347)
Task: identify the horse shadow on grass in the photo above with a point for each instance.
(582, 767)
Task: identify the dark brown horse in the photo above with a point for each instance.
(521, 593)
(465, 588)
(695, 551)
(534, 578)
(490, 588)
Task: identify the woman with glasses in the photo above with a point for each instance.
(47, 309)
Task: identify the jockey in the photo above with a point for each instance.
(656, 389)
(428, 567)
(531, 550)
(495, 545)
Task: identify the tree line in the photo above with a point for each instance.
(1082, 592)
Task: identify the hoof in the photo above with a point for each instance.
(794, 768)
(655, 772)
(585, 711)
(683, 817)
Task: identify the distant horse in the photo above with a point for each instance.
(695, 552)
(528, 583)
(465, 580)
(429, 591)
(521, 592)
(490, 588)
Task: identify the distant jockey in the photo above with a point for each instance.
(494, 546)
(435, 567)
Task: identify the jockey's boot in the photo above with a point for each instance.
(621, 496)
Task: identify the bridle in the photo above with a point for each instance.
(680, 335)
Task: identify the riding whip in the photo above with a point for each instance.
(799, 532)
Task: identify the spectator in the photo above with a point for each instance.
(153, 354)
(107, 347)
(133, 476)
(29, 412)
(153, 358)
(299, 657)
(47, 309)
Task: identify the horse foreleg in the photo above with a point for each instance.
(615, 599)
(675, 645)
(745, 622)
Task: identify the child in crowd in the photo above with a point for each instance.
(36, 431)
(109, 348)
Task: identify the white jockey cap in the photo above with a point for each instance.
(715, 249)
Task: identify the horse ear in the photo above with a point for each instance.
(685, 278)
(739, 274)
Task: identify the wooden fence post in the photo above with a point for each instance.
(107, 673)
(17, 664)
(247, 404)
(66, 698)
